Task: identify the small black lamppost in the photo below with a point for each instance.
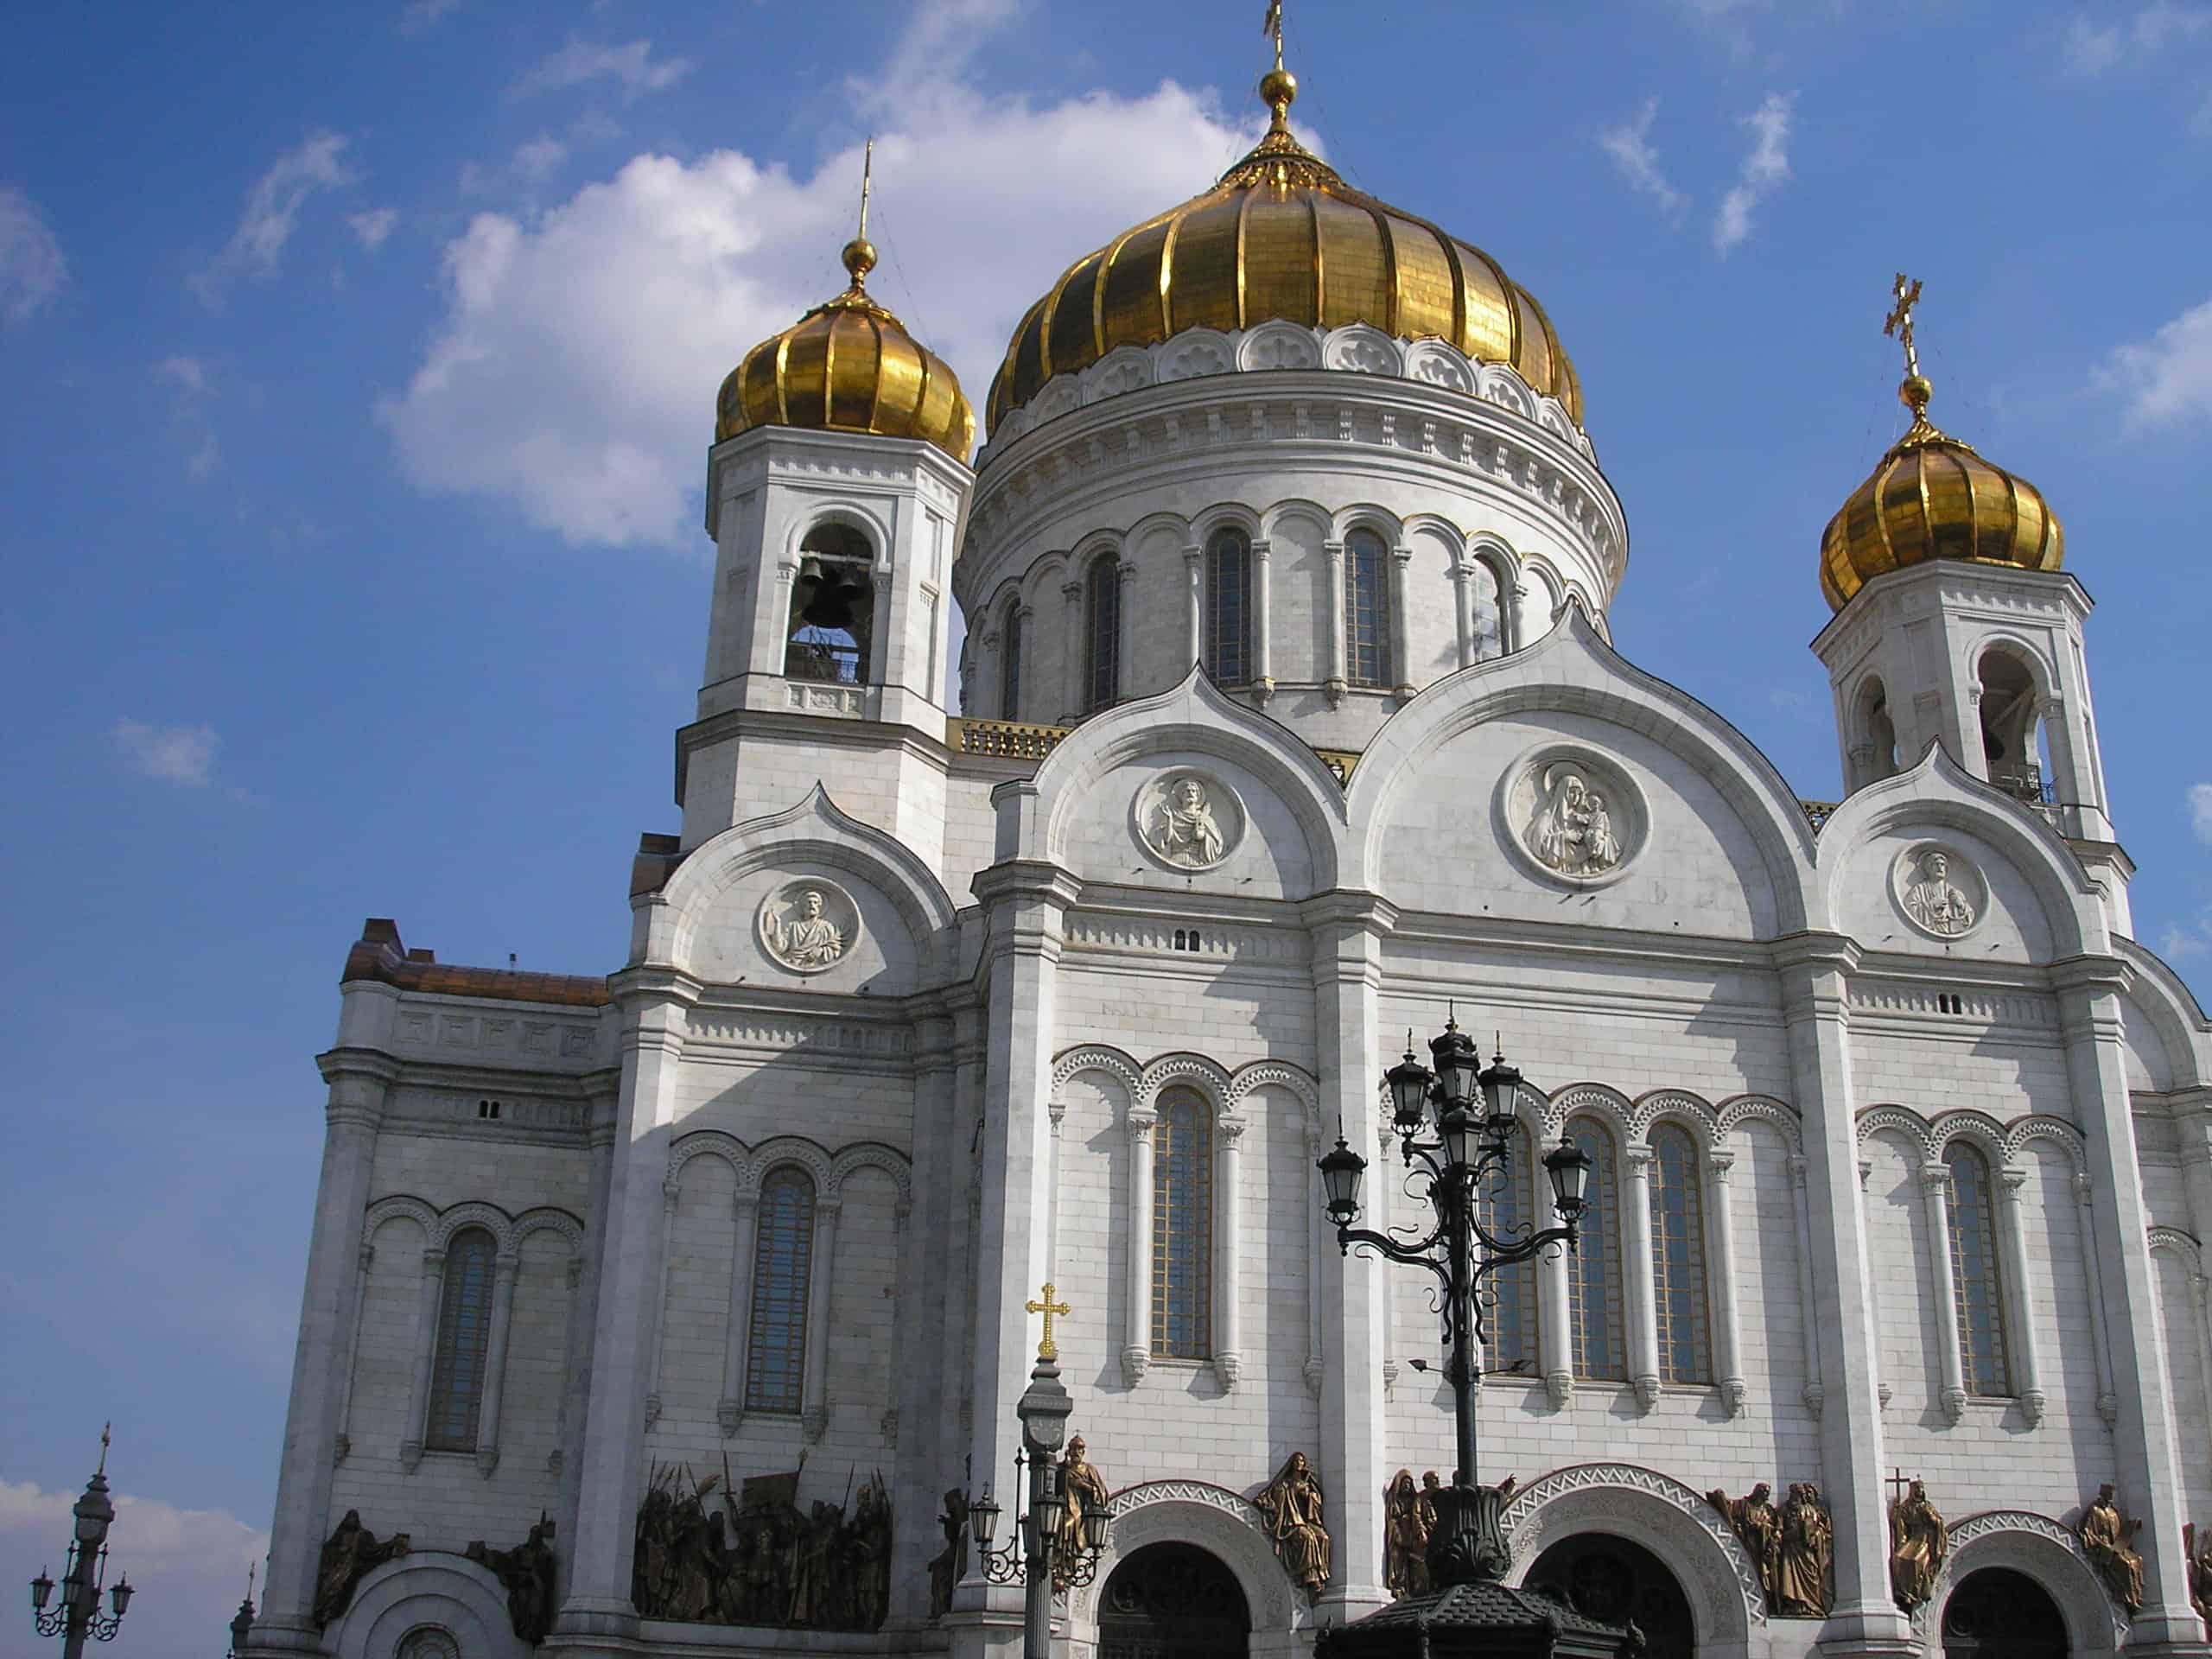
(242, 1620)
(84, 1573)
(1474, 1110)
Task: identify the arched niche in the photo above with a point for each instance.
(427, 1587)
(2040, 1549)
(1228, 1527)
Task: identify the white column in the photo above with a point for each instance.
(2019, 1308)
(1816, 1392)
(2100, 1335)
(1320, 1251)
(571, 1362)
(1463, 604)
(1136, 1339)
(1125, 680)
(1934, 1195)
(1228, 1253)
(1555, 1326)
(1334, 670)
(584, 1272)
(626, 1332)
(426, 1336)
(730, 1411)
(329, 1306)
(821, 1277)
(344, 1443)
(1720, 1251)
(2146, 1458)
(1194, 571)
(1642, 1305)
(2196, 1175)
(1263, 671)
(1401, 651)
(1074, 696)
(504, 1268)
(670, 1192)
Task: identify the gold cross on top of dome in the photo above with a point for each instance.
(1899, 324)
(1273, 27)
(1048, 1307)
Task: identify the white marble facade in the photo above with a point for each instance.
(956, 975)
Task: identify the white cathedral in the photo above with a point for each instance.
(684, 1310)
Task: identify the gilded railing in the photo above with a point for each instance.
(1817, 813)
(1004, 739)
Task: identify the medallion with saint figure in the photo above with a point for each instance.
(1938, 890)
(809, 925)
(1188, 821)
(1576, 816)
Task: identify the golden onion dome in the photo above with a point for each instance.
(848, 365)
(1932, 497)
(1281, 236)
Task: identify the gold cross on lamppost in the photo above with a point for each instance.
(1049, 1308)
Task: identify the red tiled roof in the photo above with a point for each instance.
(379, 956)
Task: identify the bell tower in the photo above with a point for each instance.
(836, 493)
(1955, 626)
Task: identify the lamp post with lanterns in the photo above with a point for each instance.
(1473, 1112)
(83, 1574)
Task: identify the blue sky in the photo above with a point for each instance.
(360, 364)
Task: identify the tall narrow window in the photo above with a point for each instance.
(782, 1253)
(1485, 611)
(1182, 1229)
(464, 1339)
(1228, 646)
(1366, 609)
(1010, 663)
(1103, 661)
(1508, 1210)
(1593, 1282)
(1678, 1258)
(1973, 1273)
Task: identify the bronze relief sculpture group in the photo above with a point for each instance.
(760, 1560)
(1793, 1546)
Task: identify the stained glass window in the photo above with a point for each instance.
(1975, 1272)
(464, 1339)
(782, 1253)
(1182, 1229)
(1010, 663)
(1593, 1270)
(1678, 1257)
(1366, 609)
(1103, 595)
(1508, 1211)
(1229, 607)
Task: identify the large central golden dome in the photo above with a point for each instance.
(1281, 236)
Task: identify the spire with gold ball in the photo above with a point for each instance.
(1932, 497)
(849, 366)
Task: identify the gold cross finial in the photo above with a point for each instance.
(868, 175)
(859, 252)
(1899, 324)
(1049, 1308)
(1273, 28)
(104, 1429)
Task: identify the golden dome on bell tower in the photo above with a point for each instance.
(849, 366)
(1931, 497)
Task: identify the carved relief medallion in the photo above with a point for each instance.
(1574, 814)
(1188, 821)
(1938, 890)
(808, 925)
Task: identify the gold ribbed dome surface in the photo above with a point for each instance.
(848, 365)
(1281, 236)
(1932, 497)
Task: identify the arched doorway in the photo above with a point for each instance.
(1608, 1577)
(1997, 1613)
(1173, 1601)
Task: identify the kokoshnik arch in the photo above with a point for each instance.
(1288, 717)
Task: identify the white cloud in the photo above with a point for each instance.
(189, 373)
(2182, 940)
(421, 14)
(169, 755)
(272, 212)
(634, 66)
(1630, 147)
(192, 389)
(573, 375)
(536, 160)
(2166, 380)
(1764, 168)
(32, 267)
(2200, 812)
(188, 1566)
(2088, 47)
(371, 229)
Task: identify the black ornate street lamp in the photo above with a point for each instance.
(242, 1620)
(1474, 1110)
(83, 1574)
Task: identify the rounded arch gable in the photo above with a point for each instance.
(2043, 1550)
(445, 1592)
(475, 1212)
(1663, 1516)
(1225, 1525)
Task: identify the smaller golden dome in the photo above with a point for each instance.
(1934, 497)
(848, 365)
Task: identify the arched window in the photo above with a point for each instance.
(1876, 741)
(1678, 1257)
(1366, 609)
(1508, 1211)
(833, 607)
(1485, 611)
(1227, 644)
(1973, 1272)
(1010, 661)
(783, 1254)
(464, 1339)
(2012, 739)
(1593, 1283)
(1182, 1229)
(1103, 659)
